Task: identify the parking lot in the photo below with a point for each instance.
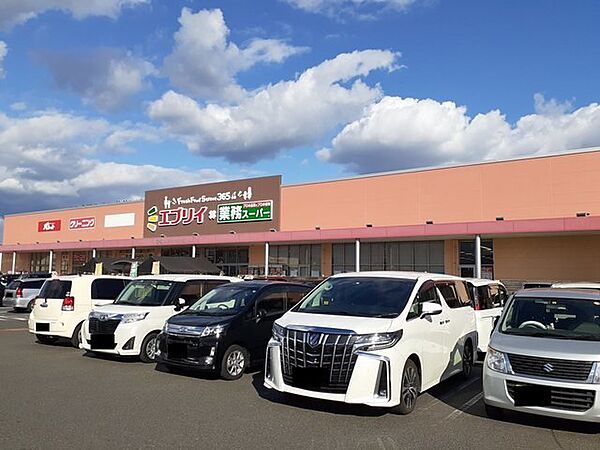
(57, 397)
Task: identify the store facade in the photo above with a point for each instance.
(533, 218)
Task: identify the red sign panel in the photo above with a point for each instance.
(82, 223)
(48, 225)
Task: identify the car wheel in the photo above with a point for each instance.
(148, 350)
(76, 338)
(410, 388)
(30, 306)
(234, 363)
(467, 360)
(43, 339)
(493, 412)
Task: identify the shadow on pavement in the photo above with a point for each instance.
(109, 357)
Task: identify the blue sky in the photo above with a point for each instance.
(101, 101)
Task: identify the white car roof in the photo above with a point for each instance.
(404, 275)
(483, 282)
(183, 278)
(88, 277)
(577, 285)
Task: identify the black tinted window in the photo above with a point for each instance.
(455, 293)
(210, 285)
(295, 294)
(14, 284)
(106, 288)
(272, 302)
(427, 293)
(32, 284)
(55, 289)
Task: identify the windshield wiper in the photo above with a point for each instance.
(386, 315)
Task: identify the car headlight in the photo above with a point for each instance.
(497, 361)
(377, 341)
(595, 376)
(133, 317)
(212, 331)
(278, 332)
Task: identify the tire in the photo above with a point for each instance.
(30, 306)
(493, 412)
(44, 339)
(409, 389)
(467, 360)
(234, 363)
(76, 338)
(148, 348)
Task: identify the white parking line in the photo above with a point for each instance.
(457, 412)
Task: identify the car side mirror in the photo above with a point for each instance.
(430, 309)
(180, 304)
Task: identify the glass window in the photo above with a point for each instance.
(295, 260)
(272, 302)
(192, 291)
(107, 288)
(295, 294)
(37, 284)
(233, 261)
(425, 256)
(229, 299)
(467, 255)
(427, 293)
(448, 291)
(145, 293)
(55, 289)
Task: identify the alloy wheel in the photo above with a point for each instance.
(236, 363)
(151, 348)
(410, 390)
(467, 360)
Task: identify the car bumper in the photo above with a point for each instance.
(17, 303)
(200, 353)
(364, 382)
(126, 339)
(48, 327)
(495, 393)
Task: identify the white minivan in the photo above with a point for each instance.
(130, 325)
(65, 302)
(375, 338)
(489, 297)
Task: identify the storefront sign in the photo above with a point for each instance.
(48, 225)
(240, 206)
(82, 223)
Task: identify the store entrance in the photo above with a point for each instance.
(467, 271)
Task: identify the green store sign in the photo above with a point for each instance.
(245, 212)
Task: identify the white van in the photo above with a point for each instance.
(489, 297)
(376, 338)
(65, 302)
(130, 325)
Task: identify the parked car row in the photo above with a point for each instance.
(374, 338)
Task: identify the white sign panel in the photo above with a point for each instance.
(119, 220)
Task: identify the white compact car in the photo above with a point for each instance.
(376, 338)
(489, 297)
(544, 355)
(130, 325)
(65, 302)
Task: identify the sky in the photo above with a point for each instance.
(101, 100)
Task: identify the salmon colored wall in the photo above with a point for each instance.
(23, 228)
(556, 186)
(326, 259)
(566, 258)
(256, 256)
(451, 257)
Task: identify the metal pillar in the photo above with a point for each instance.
(0, 262)
(93, 253)
(132, 252)
(193, 251)
(50, 261)
(14, 262)
(478, 256)
(357, 254)
(266, 259)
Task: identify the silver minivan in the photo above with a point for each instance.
(544, 355)
(21, 293)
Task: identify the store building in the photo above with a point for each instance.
(527, 219)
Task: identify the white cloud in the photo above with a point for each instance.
(18, 106)
(49, 160)
(105, 78)
(398, 133)
(3, 53)
(14, 12)
(204, 62)
(361, 8)
(280, 116)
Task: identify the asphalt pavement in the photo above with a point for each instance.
(59, 397)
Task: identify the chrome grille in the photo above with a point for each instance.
(330, 352)
(561, 398)
(562, 369)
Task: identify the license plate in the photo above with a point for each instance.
(310, 377)
(528, 395)
(177, 351)
(42, 327)
(102, 341)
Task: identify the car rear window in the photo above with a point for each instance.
(107, 288)
(14, 284)
(55, 289)
(37, 284)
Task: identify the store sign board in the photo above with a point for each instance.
(250, 205)
(48, 225)
(82, 223)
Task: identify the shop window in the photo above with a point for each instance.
(176, 251)
(343, 258)
(233, 261)
(295, 260)
(466, 258)
(422, 256)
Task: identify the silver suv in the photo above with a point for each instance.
(544, 355)
(21, 293)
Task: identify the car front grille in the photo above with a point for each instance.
(103, 326)
(561, 398)
(329, 354)
(562, 369)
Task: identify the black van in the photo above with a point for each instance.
(228, 329)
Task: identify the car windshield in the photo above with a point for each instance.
(559, 318)
(359, 296)
(145, 293)
(224, 300)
